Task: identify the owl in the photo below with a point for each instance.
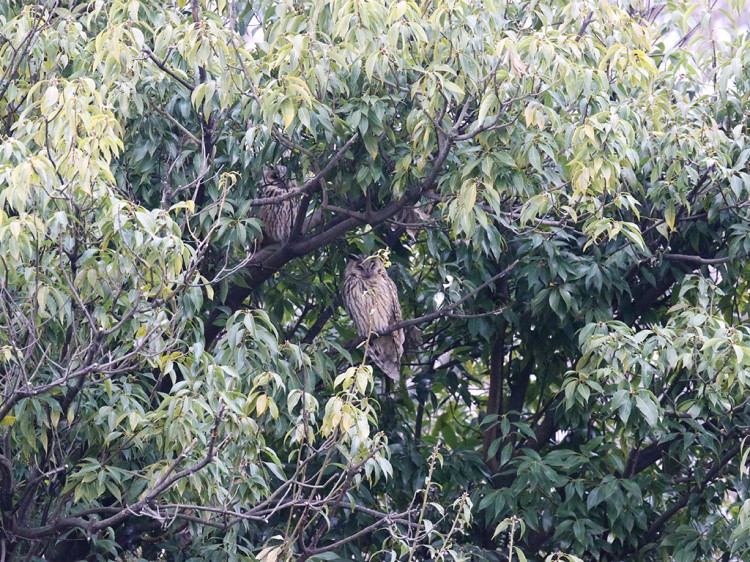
(371, 299)
(278, 218)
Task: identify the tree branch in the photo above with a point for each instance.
(311, 184)
(695, 259)
(386, 520)
(712, 473)
(166, 481)
(584, 24)
(320, 323)
(168, 70)
(447, 310)
(6, 483)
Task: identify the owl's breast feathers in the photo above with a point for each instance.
(359, 301)
(378, 305)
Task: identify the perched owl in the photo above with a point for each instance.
(278, 218)
(371, 299)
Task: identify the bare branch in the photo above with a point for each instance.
(447, 311)
(174, 121)
(695, 259)
(586, 22)
(168, 70)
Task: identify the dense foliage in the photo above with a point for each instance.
(562, 189)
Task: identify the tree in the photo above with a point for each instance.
(562, 189)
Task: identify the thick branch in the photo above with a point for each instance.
(6, 483)
(640, 459)
(320, 323)
(495, 398)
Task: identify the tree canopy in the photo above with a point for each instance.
(561, 189)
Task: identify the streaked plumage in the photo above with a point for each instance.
(278, 218)
(371, 299)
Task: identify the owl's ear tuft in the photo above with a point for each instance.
(354, 257)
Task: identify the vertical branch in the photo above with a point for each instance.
(232, 6)
(420, 421)
(495, 398)
(208, 122)
(519, 384)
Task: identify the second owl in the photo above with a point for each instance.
(371, 299)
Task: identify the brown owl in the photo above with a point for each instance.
(278, 218)
(371, 299)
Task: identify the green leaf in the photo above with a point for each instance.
(488, 102)
(648, 407)
(371, 144)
